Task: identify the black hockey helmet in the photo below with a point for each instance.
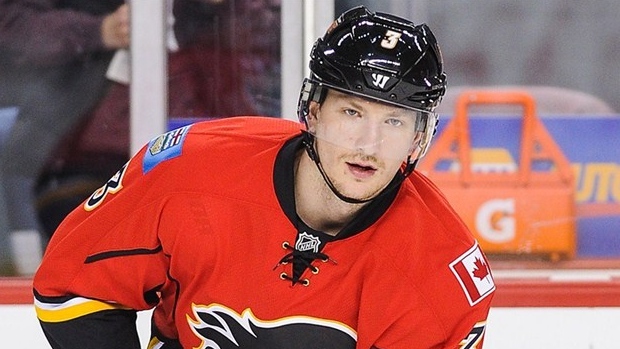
(381, 57)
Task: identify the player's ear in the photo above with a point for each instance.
(314, 110)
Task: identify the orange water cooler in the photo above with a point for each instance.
(513, 207)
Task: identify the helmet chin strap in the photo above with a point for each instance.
(314, 156)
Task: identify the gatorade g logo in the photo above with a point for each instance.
(495, 220)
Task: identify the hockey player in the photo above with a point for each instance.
(266, 233)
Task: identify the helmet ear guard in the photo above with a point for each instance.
(430, 128)
(310, 91)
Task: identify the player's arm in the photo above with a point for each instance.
(472, 299)
(448, 312)
(108, 258)
(76, 322)
(104, 263)
(42, 33)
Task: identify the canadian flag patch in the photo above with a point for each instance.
(472, 271)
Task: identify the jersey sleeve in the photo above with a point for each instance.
(440, 321)
(462, 278)
(472, 295)
(420, 322)
(104, 263)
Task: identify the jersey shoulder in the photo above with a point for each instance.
(219, 140)
(426, 199)
(247, 127)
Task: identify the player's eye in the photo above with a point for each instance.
(394, 122)
(351, 112)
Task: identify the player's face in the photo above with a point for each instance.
(361, 143)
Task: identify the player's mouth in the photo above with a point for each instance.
(361, 171)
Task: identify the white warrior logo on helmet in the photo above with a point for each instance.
(379, 80)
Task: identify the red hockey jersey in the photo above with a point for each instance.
(201, 225)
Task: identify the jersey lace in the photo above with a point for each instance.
(301, 261)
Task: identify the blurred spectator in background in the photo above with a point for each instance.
(53, 57)
(216, 69)
(228, 58)
(72, 132)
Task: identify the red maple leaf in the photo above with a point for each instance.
(481, 269)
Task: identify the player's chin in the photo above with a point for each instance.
(361, 192)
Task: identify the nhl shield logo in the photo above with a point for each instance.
(307, 242)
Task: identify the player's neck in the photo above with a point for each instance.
(316, 204)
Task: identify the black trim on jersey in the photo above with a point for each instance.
(168, 343)
(121, 253)
(152, 296)
(47, 299)
(283, 179)
(88, 331)
(177, 291)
